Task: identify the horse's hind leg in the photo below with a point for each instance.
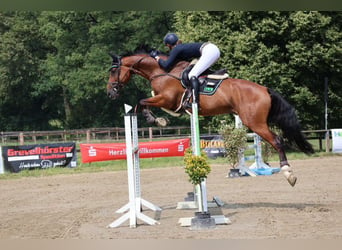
(277, 143)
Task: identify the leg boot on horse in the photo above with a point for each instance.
(148, 116)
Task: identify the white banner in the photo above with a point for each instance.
(2, 170)
(336, 140)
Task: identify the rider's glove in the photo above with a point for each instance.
(154, 53)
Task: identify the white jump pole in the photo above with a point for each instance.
(207, 221)
(133, 207)
(2, 170)
(258, 161)
(201, 192)
(241, 165)
(257, 157)
(200, 200)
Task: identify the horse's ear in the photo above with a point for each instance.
(112, 55)
(116, 58)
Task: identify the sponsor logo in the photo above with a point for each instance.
(92, 152)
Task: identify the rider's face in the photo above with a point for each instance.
(169, 46)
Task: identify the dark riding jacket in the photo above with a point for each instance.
(182, 52)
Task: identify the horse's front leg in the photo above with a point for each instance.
(147, 113)
(154, 101)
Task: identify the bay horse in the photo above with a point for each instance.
(256, 105)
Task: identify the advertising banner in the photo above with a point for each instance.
(213, 146)
(17, 158)
(117, 151)
(336, 140)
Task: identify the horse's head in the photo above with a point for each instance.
(139, 62)
(119, 76)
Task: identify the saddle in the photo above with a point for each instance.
(209, 80)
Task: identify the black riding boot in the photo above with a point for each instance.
(195, 90)
(186, 104)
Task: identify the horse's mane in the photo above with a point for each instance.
(141, 49)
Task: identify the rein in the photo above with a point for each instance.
(165, 74)
(131, 68)
(136, 71)
(146, 76)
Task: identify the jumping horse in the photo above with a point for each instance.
(256, 105)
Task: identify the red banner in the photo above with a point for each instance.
(117, 151)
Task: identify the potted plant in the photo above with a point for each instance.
(198, 168)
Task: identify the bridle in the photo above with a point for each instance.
(117, 64)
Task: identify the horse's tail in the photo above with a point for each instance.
(283, 115)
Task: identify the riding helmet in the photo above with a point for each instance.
(171, 39)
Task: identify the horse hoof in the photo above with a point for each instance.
(292, 180)
(161, 122)
(287, 171)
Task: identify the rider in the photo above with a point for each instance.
(208, 53)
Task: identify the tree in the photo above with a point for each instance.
(22, 49)
(314, 52)
(54, 64)
(77, 68)
(290, 52)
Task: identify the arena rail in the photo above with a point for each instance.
(118, 134)
(90, 135)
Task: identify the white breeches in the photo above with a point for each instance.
(209, 55)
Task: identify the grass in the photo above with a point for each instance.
(120, 165)
(117, 165)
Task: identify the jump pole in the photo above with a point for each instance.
(259, 165)
(2, 170)
(242, 167)
(203, 219)
(133, 208)
(201, 190)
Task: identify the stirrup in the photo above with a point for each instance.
(187, 96)
(186, 105)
